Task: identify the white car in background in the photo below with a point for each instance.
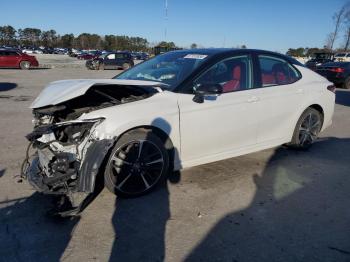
(176, 110)
(342, 57)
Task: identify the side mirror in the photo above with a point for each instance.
(206, 89)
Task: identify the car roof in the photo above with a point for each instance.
(228, 51)
(344, 64)
(9, 49)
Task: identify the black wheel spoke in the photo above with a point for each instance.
(136, 166)
(309, 129)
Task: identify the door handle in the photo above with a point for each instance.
(253, 99)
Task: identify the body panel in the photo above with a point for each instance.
(60, 91)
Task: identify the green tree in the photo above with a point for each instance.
(194, 46)
(66, 40)
(7, 35)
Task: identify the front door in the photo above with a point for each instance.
(223, 124)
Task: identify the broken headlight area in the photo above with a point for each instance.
(60, 152)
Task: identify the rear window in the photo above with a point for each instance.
(277, 71)
(12, 53)
(340, 55)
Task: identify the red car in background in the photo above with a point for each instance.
(12, 58)
(87, 56)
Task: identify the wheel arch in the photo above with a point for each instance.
(164, 135)
(318, 108)
(315, 106)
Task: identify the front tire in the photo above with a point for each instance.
(137, 164)
(307, 129)
(25, 65)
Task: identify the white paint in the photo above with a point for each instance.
(229, 125)
(60, 91)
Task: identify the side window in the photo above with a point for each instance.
(276, 71)
(119, 56)
(110, 56)
(11, 53)
(233, 74)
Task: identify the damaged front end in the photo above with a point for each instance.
(69, 147)
(67, 159)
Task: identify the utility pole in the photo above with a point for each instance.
(166, 19)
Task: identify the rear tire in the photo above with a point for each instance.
(137, 164)
(346, 84)
(25, 65)
(307, 129)
(126, 66)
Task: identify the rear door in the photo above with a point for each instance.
(120, 59)
(109, 61)
(3, 56)
(13, 59)
(9, 58)
(281, 95)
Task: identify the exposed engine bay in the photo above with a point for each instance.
(97, 97)
(68, 152)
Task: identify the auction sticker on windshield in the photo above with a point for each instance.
(195, 56)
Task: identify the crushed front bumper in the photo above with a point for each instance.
(66, 168)
(84, 175)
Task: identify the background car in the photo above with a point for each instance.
(342, 57)
(89, 55)
(13, 58)
(114, 60)
(336, 72)
(318, 59)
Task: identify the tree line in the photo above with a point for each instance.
(9, 36)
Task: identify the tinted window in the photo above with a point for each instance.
(233, 74)
(276, 71)
(170, 68)
(12, 53)
(119, 56)
(110, 56)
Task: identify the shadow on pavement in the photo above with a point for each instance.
(342, 97)
(300, 211)
(27, 234)
(5, 86)
(140, 223)
(2, 172)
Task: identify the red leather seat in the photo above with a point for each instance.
(234, 83)
(268, 79)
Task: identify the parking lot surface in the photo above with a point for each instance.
(274, 205)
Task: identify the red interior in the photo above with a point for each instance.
(234, 83)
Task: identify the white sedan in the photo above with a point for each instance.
(177, 110)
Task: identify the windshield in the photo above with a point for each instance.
(170, 68)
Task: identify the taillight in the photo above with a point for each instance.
(337, 69)
(331, 88)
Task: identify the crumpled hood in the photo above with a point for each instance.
(64, 90)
